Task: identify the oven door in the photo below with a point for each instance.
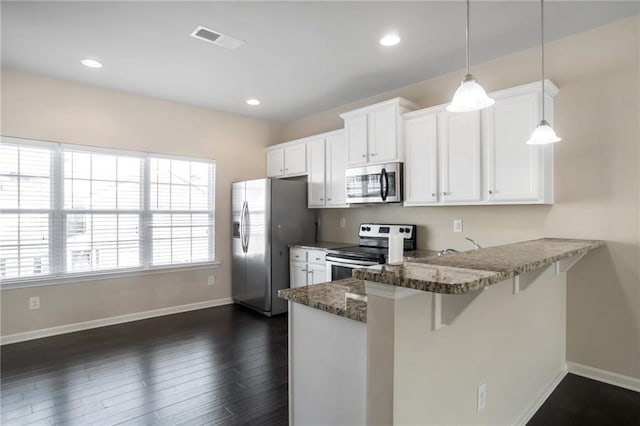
(374, 184)
(339, 268)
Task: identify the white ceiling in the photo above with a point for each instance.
(299, 57)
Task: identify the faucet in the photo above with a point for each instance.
(475, 244)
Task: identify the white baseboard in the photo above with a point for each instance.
(524, 418)
(102, 322)
(615, 379)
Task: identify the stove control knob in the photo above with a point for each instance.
(402, 230)
(407, 230)
(364, 228)
(368, 228)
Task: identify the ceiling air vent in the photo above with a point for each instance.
(216, 38)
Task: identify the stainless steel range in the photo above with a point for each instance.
(374, 244)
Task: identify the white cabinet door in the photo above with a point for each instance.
(356, 134)
(295, 159)
(513, 169)
(421, 165)
(316, 173)
(383, 134)
(459, 148)
(275, 162)
(336, 153)
(298, 274)
(317, 274)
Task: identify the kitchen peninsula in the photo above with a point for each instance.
(414, 343)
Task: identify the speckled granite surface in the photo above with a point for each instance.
(419, 254)
(346, 298)
(321, 245)
(461, 273)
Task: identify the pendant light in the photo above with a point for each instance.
(470, 96)
(544, 133)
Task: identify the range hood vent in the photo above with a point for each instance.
(217, 38)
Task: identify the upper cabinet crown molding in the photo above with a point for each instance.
(374, 134)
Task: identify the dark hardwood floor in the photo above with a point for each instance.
(583, 402)
(224, 365)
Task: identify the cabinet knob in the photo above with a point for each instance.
(321, 199)
(445, 193)
(281, 170)
(364, 155)
(297, 255)
(490, 192)
(317, 258)
(286, 170)
(303, 270)
(373, 154)
(433, 194)
(329, 199)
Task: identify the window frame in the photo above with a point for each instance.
(58, 217)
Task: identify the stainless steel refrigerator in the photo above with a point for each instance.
(267, 216)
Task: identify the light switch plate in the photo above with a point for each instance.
(343, 222)
(457, 225)
(34, 303)
(211, 280)
(482, 397)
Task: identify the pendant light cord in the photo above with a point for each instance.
(468, 49)
(542, 50)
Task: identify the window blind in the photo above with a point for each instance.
(73, 210)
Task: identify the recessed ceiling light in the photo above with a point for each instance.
(253, 102)
(91, 63)
(390, 40)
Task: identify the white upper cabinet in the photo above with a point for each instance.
(514, 171)
(374, 133)
(480, 157)
(316, 196)
(356, 132)
(421, 167)
(460, 162)
(336, 151)
(287, 160)
(275, 162)
(326, 163)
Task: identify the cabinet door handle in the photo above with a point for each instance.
(445, 193)
(373, 154)
(321, 199)
(297, 255)
(303, 270)
(433, 194)
(364, 155)
(281, 170)
(286, 170)
(328, 199)
(490, 192)
(318, 259)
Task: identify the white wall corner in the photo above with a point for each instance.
(531, 410)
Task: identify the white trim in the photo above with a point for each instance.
(70, 279)
(604, 376)
(529, 412)
(103, 322)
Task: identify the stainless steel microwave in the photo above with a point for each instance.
(381, 183)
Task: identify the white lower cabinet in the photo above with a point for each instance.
(306, 267)
(326, 161)
(480, 157)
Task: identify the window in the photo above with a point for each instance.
(69, 210)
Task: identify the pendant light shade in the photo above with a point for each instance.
(544, 133)
(470, 96)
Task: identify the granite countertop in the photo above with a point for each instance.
(346, 298)
(321, 245)
(461, 273)
(419, 254)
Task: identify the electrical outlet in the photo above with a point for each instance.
(211, 280)
(482, 397)
(343, 222)
(34, 302)
(457, 225)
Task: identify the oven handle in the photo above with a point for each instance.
(337, 260)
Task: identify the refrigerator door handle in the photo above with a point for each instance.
(242, 226)
(246, 227)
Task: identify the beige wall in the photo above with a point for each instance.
(48, 109)
(596, 184)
